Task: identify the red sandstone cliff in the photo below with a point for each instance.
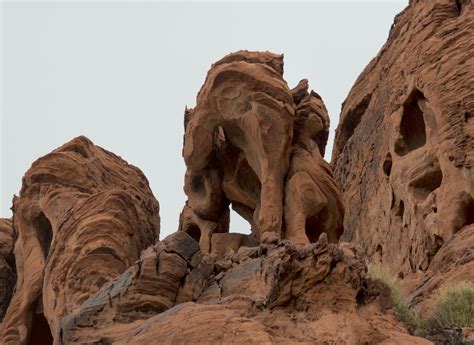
(404, 149)
(81, 261)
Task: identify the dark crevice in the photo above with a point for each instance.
(105, 251)
(194, 231)
(459, 5)
(40, 331)
(379, 250)
(313, 228)
(400, 209)
(387, 165)
(44, 232)
(468, 214)
(412, 126)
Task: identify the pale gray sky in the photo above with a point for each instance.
(122, 73)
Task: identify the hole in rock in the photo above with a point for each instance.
(378, 254)
(468, 214)
(412, 126)
(352, 120)
(387, 165)
(313, 228)
(400, 209)
(194, 231)
(40, 331)
(44, 232)
(238, 224)
(459, 5)
(427, 183)
(379, 250)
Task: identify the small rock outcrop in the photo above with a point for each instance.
(83, 217)
(404, 149)
(256, 145)
(277, 293)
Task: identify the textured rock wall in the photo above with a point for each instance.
(253, 143)
(7, 264)
(404, 148)
(82, 217)
(285, 293)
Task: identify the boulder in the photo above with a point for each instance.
(83, 217)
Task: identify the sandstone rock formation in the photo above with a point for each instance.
(404, 149)
(454, 262)
(81, 261)
(7, 264)
(283, 187)
(285, 293)
(82, 218)
(313, 203)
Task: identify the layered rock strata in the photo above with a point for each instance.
(312, 294)
(82, 218)
(256, 145)
(404, 149)
(7, 264)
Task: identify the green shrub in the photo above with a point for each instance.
(454, 305)
(404, 312)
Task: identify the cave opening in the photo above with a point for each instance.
(412, 126)
(468, 214)
(40, 331)
(313, 228)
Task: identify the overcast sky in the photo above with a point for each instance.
(122, 73)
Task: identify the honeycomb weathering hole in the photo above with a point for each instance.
(400, 209)
(194, 232)
(468, 214)
(387, 165)
(353, 118)
(313, 228)
(412, 126)
(45, 233)
(427, 183)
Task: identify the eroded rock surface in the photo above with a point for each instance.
(249, 141)
(404, 149)
(313, 294)
(82, 218)
(90, 268)
(7, 264)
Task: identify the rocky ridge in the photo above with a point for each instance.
(81, 261)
